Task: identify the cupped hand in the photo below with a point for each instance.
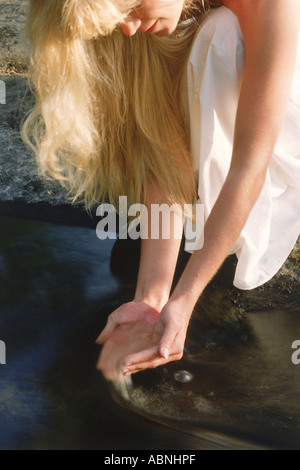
(129, 329)
(137, 337)
(167, 341)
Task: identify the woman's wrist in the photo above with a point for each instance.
(156, 301)
(186, 294)
(183, 305)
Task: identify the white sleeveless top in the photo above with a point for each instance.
(214, 74)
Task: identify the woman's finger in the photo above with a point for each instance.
(141, 357)
(151, 364)
(148, 359)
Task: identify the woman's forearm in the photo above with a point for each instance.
(158, 256)
(222, 229)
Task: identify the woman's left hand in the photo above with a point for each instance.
(166, 343)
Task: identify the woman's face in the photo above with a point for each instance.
(159, 17)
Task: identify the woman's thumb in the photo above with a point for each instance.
(105, 334)
(167, 341)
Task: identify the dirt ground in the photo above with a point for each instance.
(13, 57)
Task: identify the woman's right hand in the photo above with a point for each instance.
(128, 329)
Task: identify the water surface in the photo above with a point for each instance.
(56, 291)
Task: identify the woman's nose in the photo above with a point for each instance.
(130, 26)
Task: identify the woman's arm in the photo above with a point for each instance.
(270, 32)
(156, 272)
(158, 256)
(270, 29)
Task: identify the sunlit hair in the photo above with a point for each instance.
(107, 120)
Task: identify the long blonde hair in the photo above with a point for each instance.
(107, 120)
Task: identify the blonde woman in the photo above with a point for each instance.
(169, 101)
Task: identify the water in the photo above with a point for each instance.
(56, 291)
